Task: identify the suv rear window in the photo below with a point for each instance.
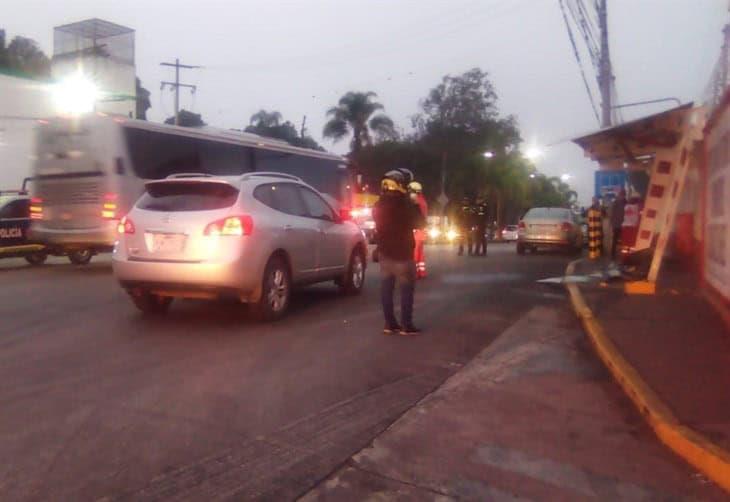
(187, 196)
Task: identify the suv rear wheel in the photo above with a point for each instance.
(354, 279)
(275, 291)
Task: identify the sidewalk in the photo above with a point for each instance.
(534, 416)
(677, 343)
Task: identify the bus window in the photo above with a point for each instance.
(157, 155)
(322, 174)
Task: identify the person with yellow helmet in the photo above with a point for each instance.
(415, 189)
(396, 217)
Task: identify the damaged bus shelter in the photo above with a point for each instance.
(658, 152)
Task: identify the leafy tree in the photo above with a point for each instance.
(22, 55)
(355, 114)
(187, 119)
(143, 101)
(264, 120)
(269, 124)
(459, 122)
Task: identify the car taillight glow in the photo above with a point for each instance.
(233, 225)
(36, 208)
(361, 212)
(126, 226)
(521, 225)
(109, 209)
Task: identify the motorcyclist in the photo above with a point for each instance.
(396, 217)
(415, 190)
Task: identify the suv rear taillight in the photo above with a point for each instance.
(36, 208)
(109, 209)
(521, 225)
(566, 227)
(233, 225)
(126, 226)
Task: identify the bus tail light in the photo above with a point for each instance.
(566, 227)
(109, 209)
(521, 225)
(126, 226)
(233, 225)
(36, 208)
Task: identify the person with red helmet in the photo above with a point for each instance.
(415, 189)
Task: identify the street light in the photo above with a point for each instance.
(565, 177)
(488, 155)
(75, 95)
(533, 153)
(533, 175)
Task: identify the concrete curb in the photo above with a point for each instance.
(707, 457)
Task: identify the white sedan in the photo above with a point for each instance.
(509, 233)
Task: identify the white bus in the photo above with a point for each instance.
(90, 171)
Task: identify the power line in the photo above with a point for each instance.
(580, 63)
(176, 85)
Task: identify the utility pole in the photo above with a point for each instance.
(177, 85)
(304, 126)
(605, 75)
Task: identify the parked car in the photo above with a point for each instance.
(252, 237)
(14, 225)
(509, 233)
(552, 227)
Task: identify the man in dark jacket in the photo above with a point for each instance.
(396, 217)
(480, 227)
(465, 225)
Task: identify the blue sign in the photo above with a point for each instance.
(608, 183)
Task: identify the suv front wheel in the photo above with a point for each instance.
(354, 279)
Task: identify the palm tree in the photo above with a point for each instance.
(354, 115)
(264, 119)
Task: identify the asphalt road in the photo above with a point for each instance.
(98, 401)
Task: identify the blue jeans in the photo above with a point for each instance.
(403, 272)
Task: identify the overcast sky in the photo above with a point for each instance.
(300, 57)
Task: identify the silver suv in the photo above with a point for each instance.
(252, 237)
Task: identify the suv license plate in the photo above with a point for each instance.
(167, 243)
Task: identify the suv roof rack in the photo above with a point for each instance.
(270, 174)
(189, 175)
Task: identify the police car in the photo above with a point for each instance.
(14, 226)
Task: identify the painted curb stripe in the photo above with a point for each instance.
(707, 457)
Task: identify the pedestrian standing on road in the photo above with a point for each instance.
(415, 190)
(480, 225)
(618, 210)
(595, 229)
(466, 225)
(396, 217)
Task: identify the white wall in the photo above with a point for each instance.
(21, 102)
(717, 208)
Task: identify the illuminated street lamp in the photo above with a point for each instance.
(488, 155)
(565, 177)
(533, 153)
(75, 95)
